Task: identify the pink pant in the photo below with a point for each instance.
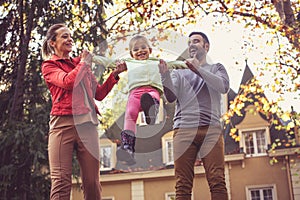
(62, 142)
(134, 106)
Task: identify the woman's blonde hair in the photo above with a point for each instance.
(48, 50)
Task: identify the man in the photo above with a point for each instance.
(197, 126)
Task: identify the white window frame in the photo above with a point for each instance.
(112, 156)
(108, 198)
(165, 150)
(224, 103)
(261, 188)
(169, 195)
(169, 161)
(242, 142)
(141, 121)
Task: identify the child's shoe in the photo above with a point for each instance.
(150, 106)
(126, 151)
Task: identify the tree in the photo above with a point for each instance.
(113, 106)
(25, 101)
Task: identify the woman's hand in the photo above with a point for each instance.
(120, 67)
(86, 57)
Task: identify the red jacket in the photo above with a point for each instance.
(65, 79)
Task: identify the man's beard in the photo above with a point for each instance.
(195, 52)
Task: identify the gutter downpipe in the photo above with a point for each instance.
(287, 165)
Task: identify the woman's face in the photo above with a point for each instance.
(63, 43)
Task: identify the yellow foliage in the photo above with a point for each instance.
(290, 126)
(252, 88)
(233, 131)
(273, 161)
(241, 105)
(230, 11)
(273, 109)
(286, 116)
(266, 107)
(237, 138)
(238, 112)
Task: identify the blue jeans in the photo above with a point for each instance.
(209, 143)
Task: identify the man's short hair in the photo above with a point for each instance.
(200, 33)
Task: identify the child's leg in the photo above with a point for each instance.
(133, 106)
(155, 94)
(126, 151)
(132, 110)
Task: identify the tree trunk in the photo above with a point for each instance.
(25, 28)
(292, 30)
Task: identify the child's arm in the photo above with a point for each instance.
(177, 64)
(104, 61)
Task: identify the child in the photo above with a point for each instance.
(145, 88)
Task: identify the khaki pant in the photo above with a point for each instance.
(62, 142)
(209, 143)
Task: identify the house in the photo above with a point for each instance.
(253, 169)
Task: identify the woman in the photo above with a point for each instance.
(73, 118)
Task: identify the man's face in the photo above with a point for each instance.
(197, 46)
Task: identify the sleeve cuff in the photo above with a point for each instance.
(116, 76)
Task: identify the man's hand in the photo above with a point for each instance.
(163, 68)
(192, 64)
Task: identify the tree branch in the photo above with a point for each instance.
(289, 28)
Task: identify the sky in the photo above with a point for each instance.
(230, 44)
(226, 48)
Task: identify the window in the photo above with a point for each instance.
(254, 142)
(107, 154)
(224, 103)
(141, 121)
(169, 151)
(170, 196)
(167, 148)
(108, 198)
(267, 192)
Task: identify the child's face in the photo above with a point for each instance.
(140, 50)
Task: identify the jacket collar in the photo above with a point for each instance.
(75, 60)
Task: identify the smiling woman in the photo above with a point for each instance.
(62, 43)
(73, 118)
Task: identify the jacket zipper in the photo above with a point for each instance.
(59, 98)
